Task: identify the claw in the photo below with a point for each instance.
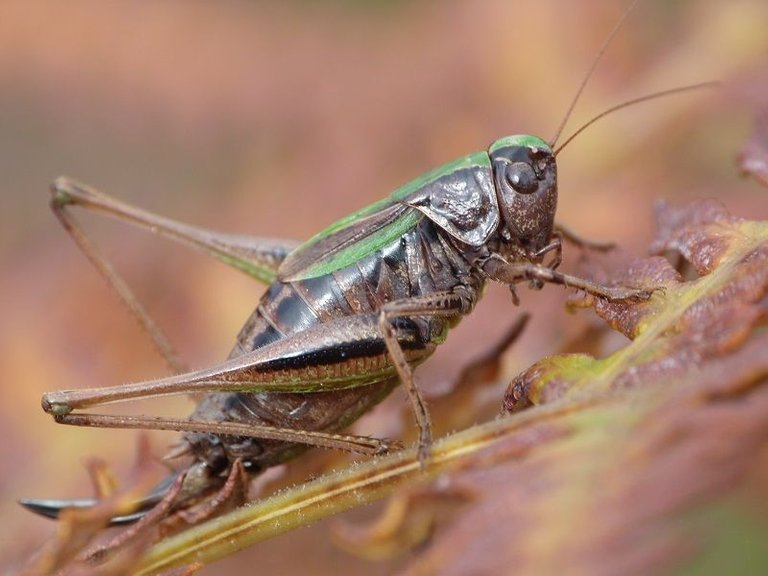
(54, 508)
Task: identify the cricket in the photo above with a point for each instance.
(346, 317)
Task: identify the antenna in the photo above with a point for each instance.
(583, 84)
(627, 103)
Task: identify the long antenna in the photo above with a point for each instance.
(600, 53)
(633, 101)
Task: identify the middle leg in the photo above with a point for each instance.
(448, 304)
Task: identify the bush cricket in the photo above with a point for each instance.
(347, 315)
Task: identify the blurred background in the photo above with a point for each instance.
(277, 118)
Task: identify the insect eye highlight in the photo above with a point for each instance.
(522, 178)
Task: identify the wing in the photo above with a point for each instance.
(459, 197)
(349, 240)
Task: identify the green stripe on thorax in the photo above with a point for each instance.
(525, 140)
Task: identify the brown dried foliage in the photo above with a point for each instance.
(650, 459)
(653, 459)
(662, 462)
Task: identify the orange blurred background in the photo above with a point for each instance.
(275, 119)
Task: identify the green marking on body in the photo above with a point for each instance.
(364, 247)
(526, 140)
(381, 238)
(476, 159)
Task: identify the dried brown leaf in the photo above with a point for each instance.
(667, 434)
(684, 324)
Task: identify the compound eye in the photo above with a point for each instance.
(522, 178)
